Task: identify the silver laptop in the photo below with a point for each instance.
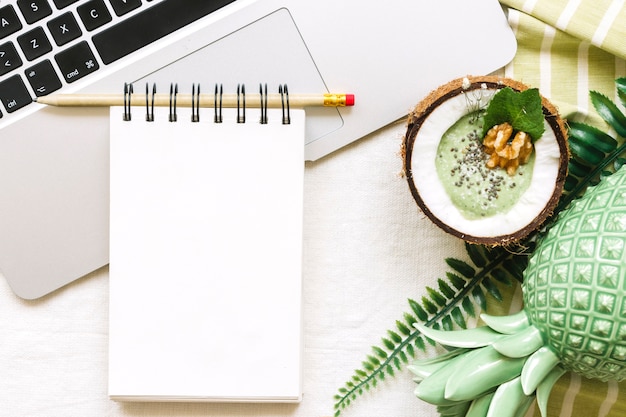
(54, 161)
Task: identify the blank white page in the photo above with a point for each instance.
(206, 258)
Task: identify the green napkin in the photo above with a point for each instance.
(566, 48)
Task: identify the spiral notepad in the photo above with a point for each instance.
(205, 254)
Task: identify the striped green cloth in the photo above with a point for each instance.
(567, 48)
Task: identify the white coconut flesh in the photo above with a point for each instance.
(529, 205)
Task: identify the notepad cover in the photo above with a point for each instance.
(205, 259)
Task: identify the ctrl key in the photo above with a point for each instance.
(13, 94)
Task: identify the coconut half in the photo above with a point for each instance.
(488, 207)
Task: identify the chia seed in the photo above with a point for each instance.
(470, 161)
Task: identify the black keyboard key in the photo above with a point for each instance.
(9, 58)
(43, 78)
(150, 25)
(9, 22)
(121, 7)
(64, 28)
(76, 62)
(94, 14)
(63, 3)
(34, 10)
(13, 94)
(34, 43)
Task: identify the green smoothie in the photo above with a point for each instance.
(475, 190)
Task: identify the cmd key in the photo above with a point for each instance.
(76, 62)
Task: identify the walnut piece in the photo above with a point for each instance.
(504, 152)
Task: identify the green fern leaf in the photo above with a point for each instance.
(368, 366)
(609, 112)
(410, 350)
(461, 267)
(468, 307)
(388, 344)
(502, 276)
(394, 336)
(456, 281)
(397, 363)
(418, 310)
(373, 360)
(458, 317)
(516, 266)
(436, 297)
(492, 289)
(403, 328)
(409, 319)
(379, 352)
(429, 306)
(476, 254)
(445, 289)
(419, 343)
(479, 298)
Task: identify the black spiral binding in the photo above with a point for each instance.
(284, 103)
(128, 92)
(173, 116)
(217, 118)
(195, 104)
(241, 103)
(150, 103)
(263, 104)
(217, 103)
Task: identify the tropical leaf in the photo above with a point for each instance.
(609, 112)
(461, 267)
(621, 89)
(591, 136)
(585, 150)
(468, 283)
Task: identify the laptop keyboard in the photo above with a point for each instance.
(48, 44)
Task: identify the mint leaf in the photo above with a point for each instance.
(523, 110)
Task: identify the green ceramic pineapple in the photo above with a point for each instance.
(574, 318)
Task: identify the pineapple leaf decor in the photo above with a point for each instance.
(572, 273)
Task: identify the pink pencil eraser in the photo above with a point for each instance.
(349, 99)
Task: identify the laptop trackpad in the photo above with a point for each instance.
(269, 50)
